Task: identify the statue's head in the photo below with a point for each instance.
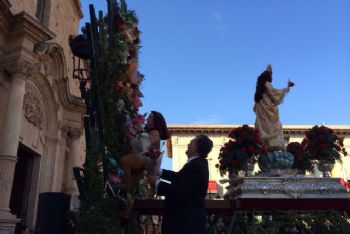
(269, 68)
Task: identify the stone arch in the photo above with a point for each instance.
(43, 165)
(50, 105)
(51, 53)
(56, 53)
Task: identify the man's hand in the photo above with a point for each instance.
(152, 180)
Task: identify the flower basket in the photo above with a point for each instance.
(323, 144)
(302, 161)
(276, 160)
(240, 151)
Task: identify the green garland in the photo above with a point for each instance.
(98, 213)
(325, 222)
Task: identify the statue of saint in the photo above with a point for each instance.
(267, 99)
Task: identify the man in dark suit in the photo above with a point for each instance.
(185, 196)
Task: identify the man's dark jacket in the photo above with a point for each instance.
(185, 198)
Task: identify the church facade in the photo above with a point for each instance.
(40, 107)
(182, 134)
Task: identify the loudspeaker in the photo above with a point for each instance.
(52, 215)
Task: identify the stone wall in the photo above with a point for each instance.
(28, 6)
(64, 21)
(61, 17)
(38, 107)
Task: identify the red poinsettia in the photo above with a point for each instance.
(302, 159)
(323, 144)
(153, 154)
(245, 144)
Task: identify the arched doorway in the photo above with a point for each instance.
(23, 182)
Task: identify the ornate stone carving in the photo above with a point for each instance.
(42, 55)
(46, 47)
(34, 110)
(75, 133)
(19, 66)
(287, 187)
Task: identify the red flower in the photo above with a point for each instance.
(321, 138)
(264, 150)
(236, 162)
(153, 154)
(244, 143)
(321, 142)
(231, 134)
(303, 143)
(323, 146)
(251, 150)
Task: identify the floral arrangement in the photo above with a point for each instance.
(244, 145)
(302, 159)
(153, 154)
(323, 144)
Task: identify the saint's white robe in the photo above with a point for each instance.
(267, 117)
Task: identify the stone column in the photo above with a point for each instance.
(60, 161)
(73, 159)
(47, 165)
(9, 139)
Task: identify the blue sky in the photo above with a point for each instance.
(201, 58)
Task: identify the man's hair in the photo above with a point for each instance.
(204, 145)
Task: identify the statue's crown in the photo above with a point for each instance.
(268, 68)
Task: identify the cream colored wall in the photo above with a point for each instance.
(29, 6)
(64, 21)
(338, 169)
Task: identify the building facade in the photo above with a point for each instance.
(182, 134)
(40, 109)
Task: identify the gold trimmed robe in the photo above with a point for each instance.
(267, 117)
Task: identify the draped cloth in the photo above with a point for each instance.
(267, 117)
(140, 145)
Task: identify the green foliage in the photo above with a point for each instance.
(326, 222)
(107, 64)
(98, 213)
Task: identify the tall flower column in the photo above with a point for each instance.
(9, 138)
